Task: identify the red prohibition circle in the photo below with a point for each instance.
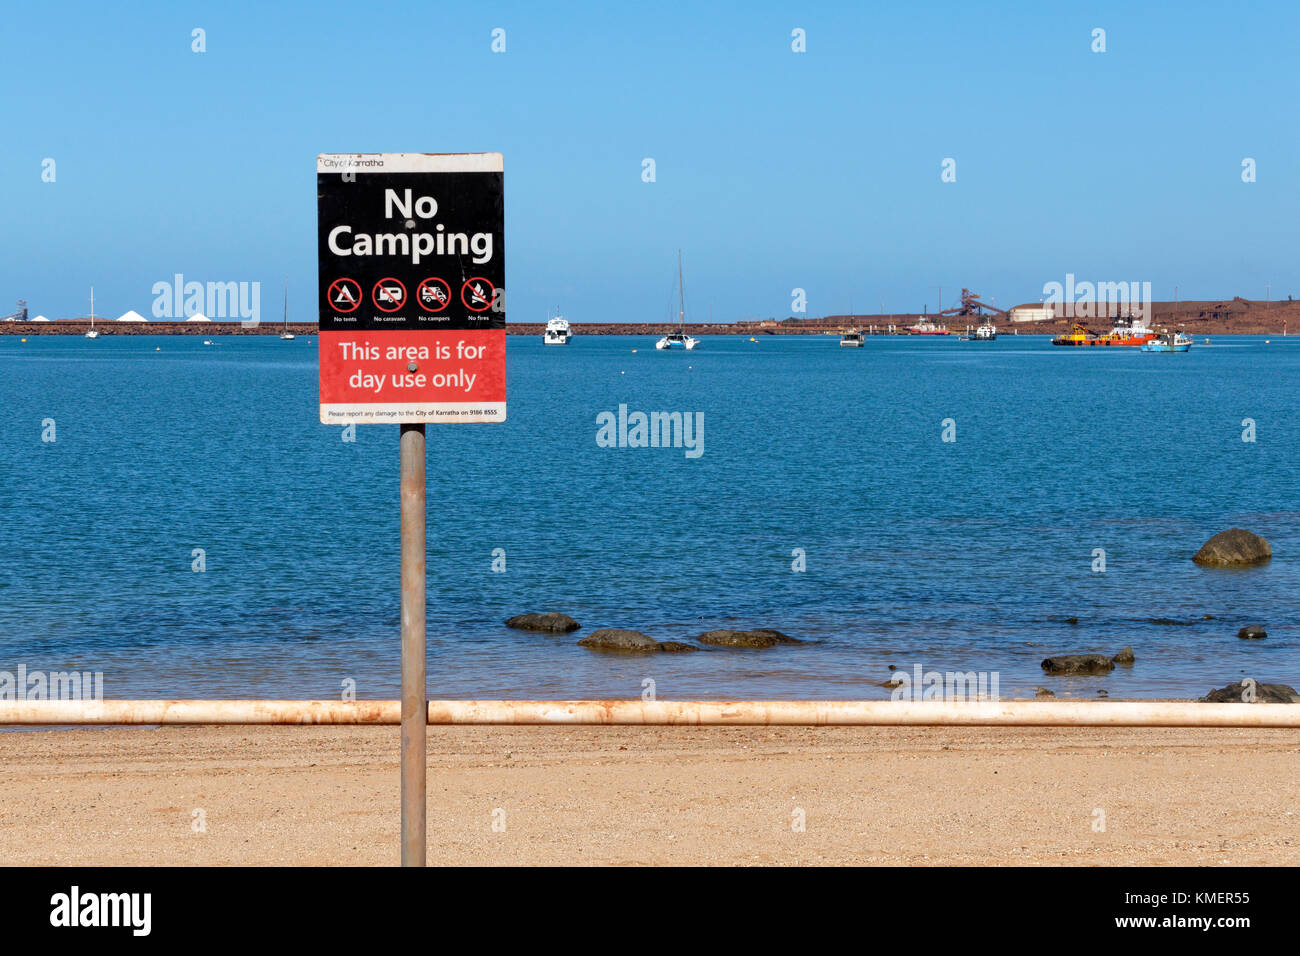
(465, 288)
(374, 295)
(356, 301)
(419, 299)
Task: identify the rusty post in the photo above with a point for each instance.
(414, 703)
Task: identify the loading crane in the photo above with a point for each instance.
(972, 306)
(19, 316)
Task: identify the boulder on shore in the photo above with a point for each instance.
(1252, 632)
(1235, 547)
(631, 642)
(1079, 664)
(552, 621)
(1264, 694)
(757, 638)
(1125, 656)
(616, 639)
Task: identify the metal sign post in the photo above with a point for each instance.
(415, 708)
(411, 250)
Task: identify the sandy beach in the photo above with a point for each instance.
(657, 795)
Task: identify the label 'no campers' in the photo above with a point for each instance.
(412, 287)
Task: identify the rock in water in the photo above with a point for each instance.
(1125, 656)
(1252, 633)
(1079, 664)
(1043, 692)
(677, 647)
(758, 638)
(1235, 547)
(614, 639)
(1264, 694)
(552, 621)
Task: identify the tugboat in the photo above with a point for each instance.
(852, 339)
(926, 327)
(1166, 341)
(557, 331)
(1130, 331)
(1127, 332)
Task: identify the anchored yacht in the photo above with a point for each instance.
(286, 334)
(93, 333)
(679, 339)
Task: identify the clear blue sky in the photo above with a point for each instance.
(775, 170)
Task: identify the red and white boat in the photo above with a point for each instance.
(926, 327)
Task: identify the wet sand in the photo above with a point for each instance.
(656, 795)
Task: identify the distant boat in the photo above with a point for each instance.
(557, 331)
(926, 327)
(678, 339)
(852, 339)
(92, 334)
(987, 332)
(1166, 341)
(286, 334)
(207, 341)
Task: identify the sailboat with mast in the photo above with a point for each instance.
(286, 334)
(678, 339)
(93, 333)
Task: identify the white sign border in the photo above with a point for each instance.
(410, 163)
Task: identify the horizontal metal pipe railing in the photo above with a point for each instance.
(792, 713)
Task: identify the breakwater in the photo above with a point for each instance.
(1235, 316)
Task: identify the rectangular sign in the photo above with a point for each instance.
(412, 287)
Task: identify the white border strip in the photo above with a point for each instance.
(443, 413)
(410, 163)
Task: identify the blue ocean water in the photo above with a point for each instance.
(965, 555)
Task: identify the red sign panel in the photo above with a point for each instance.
(400, 376)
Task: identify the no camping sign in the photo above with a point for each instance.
(412, 287)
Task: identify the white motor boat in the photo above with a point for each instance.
(557, 331)
(985, 333)
(852, 339)
(1167, 341)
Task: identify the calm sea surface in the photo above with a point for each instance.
(968, 555)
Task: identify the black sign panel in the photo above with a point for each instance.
(411, 241)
